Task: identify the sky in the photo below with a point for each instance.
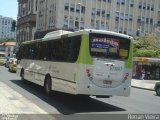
(9, 8)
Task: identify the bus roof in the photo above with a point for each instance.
(87, 31)
(56, 33)
(84, 31)
(62, 34)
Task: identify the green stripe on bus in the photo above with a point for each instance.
(129, 62)
(84, 55)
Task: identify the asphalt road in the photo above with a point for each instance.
(140, 101)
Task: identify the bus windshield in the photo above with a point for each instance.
(109, 46)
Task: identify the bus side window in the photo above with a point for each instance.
(43, 51)
(74, 48)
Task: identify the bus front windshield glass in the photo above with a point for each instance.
(109, 46)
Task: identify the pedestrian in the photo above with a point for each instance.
(142, 74)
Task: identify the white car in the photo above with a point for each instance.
(8, 61)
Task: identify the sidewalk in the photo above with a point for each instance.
(11, 102)
(13, 106)
(144, 84)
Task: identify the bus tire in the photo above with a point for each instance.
(47, 85)
(22, 75)
(158, 91)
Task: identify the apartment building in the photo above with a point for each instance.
(6, 28)
(132, 17)
(26, 20)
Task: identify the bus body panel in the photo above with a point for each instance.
(88, 85)
(108, 73)
(65, 83)
(89, 75)
(94, 90)
(62, 74)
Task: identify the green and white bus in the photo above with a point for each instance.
(87, 62)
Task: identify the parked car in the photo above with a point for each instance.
(13, 65)
(157, 88)
(2, 58)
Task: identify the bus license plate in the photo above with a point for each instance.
(107, 82)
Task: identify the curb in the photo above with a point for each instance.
(142, 88)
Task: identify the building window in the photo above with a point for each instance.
(109, 1)
(108, 15)
(98, 12)
(148, 7)
(117, 18)
(131, 5)
(6, 22)
(66, 7)
(152, 9)
(103, 12)
(125, 32)
(83, 9)
(93, 11)
(118, 2)
(151, 21)
(123, 2)
(144, 6)
(140, 5)
(2, 22)
(29, 5)
(72, 8)
(147, 20)
(36, 5)
(130, 19)
(158, 23)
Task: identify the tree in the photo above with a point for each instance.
(147, 46)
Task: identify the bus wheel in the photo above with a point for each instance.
(47, 85)
(158, 91)
(22, 76)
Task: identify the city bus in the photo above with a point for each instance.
(86, 62)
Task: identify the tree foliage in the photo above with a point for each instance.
(147, 46)
(7, 40)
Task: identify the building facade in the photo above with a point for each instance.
(26, 20)
(6, 28)
(132, 17)
(8, 48)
